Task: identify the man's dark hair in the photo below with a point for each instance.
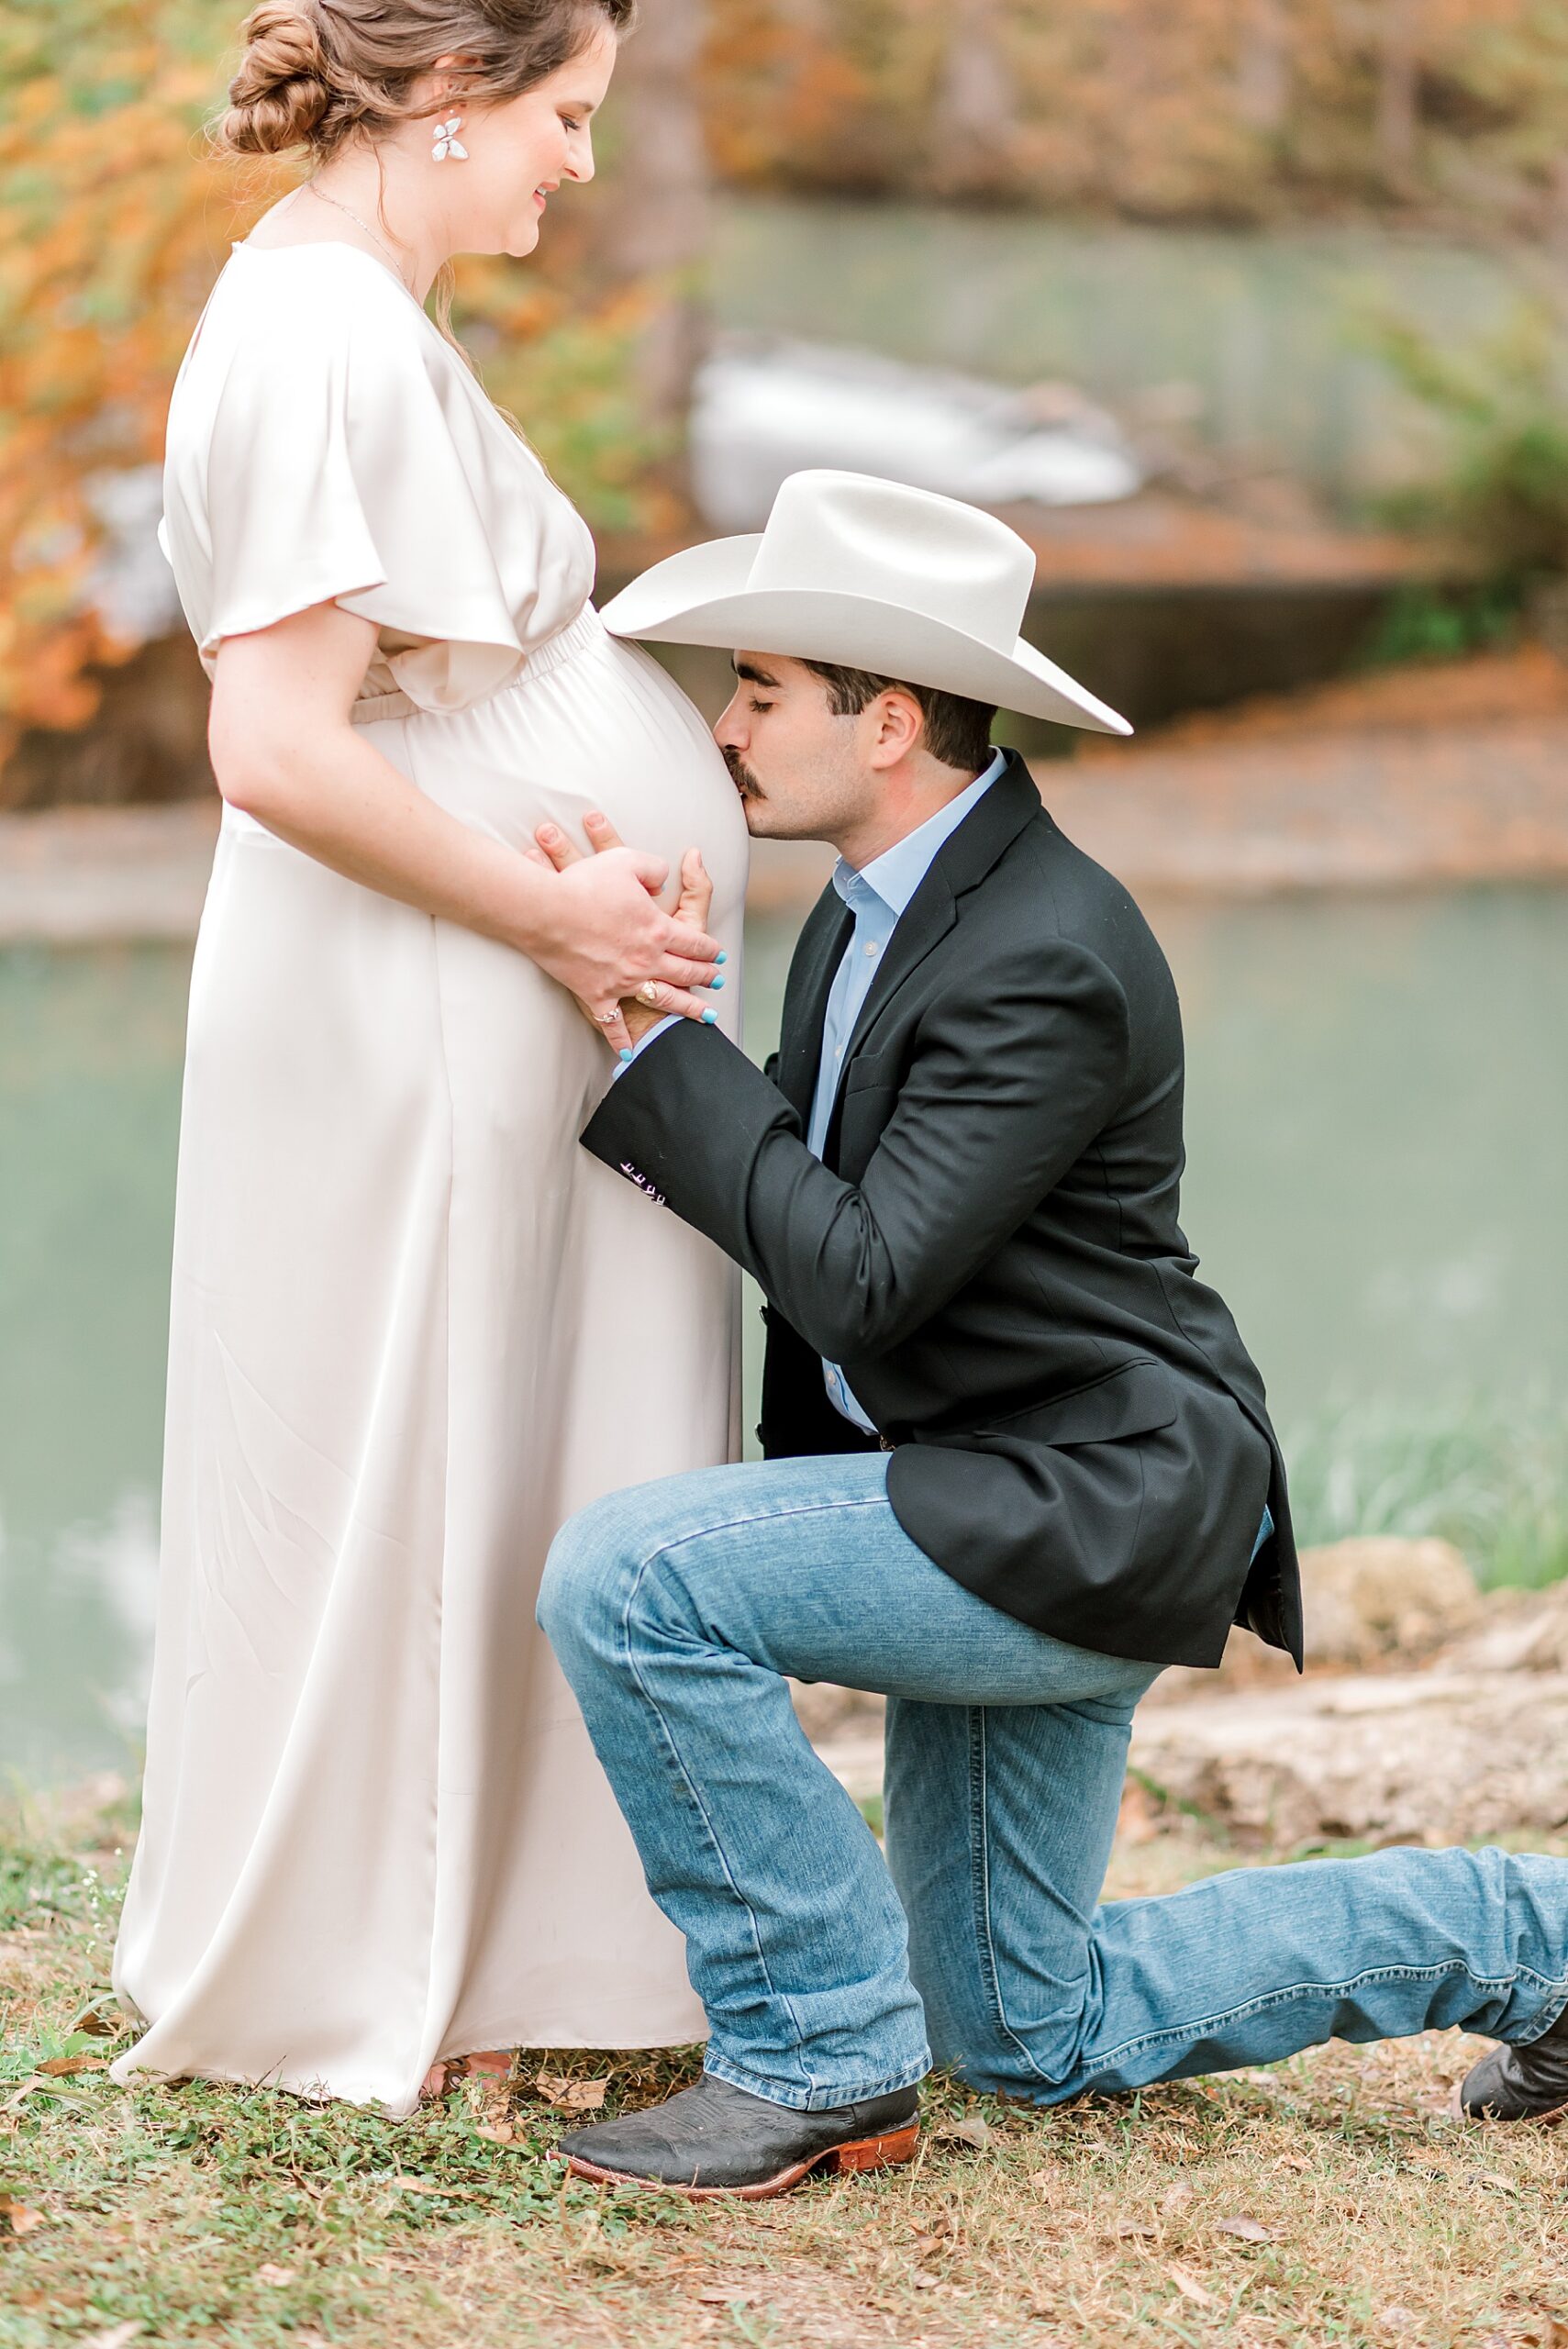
(957, 732)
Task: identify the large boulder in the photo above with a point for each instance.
(1378, 1600)
(1374, 1603)
(1521, 1630)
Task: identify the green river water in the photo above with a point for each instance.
(1378, 1125)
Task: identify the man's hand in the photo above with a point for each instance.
(656, 1000)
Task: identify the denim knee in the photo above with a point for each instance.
(587, 1576)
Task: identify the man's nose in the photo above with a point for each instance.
(728, 732)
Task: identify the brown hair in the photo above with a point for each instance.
(315, 73)
(957, 732)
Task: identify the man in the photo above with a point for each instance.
(1019, 1458)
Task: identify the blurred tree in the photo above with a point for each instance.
(115, 220)
(1238, 109)
(975, 120)
(657, 227)
(1263, 69)
(1399, 62)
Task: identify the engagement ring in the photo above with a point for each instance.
(648, 994)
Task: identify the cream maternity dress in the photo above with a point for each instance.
(414, 1325)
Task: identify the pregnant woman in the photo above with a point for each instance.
(414, 1325)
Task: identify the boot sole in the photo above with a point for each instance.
(865, 2153)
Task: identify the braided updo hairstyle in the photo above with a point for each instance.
(317, 72)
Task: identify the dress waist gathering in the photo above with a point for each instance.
(569, 644)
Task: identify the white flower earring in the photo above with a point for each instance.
(447, 142)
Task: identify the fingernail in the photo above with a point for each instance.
(715, 985)
(721, 956)
(626, 1053)
(709, 1018)
(548, 832)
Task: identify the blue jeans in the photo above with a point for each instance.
(678, 1609)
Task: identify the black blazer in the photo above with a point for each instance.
(990, 1247)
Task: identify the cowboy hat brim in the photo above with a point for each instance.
(703, 596)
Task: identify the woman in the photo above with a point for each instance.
(414, 1325)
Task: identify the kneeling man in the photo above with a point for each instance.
(1019, 1458)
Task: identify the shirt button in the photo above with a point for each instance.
(872, 948)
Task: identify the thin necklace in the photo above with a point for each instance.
(316, 189)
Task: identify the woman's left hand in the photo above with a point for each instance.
(641, 1014)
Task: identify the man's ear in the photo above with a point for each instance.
(899, 723)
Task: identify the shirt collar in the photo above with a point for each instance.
(897, 872)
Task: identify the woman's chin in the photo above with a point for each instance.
(525, 236)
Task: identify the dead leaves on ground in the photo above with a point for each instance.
(18, 2218)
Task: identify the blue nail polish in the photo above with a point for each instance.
(626, 1053)
(721, 956)
(709, 1018)
(713, 985)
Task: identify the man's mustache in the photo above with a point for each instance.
(741, 774)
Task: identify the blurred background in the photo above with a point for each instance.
(1248, 314)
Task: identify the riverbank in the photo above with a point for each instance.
(1403, 779)
(1327, 2199)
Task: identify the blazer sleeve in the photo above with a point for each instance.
(1012, 1074)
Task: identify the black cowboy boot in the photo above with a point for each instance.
(714, 2139)
(1519, 2083)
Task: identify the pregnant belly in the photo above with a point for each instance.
(602, 729)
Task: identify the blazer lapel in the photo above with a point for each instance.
(961, 865)
(817, 958)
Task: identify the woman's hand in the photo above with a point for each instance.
(284, 751)
(667, 981)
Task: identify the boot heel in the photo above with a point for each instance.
(880, 2153)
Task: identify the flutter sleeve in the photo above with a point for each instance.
(348, 464)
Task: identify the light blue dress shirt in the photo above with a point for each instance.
(877, 896)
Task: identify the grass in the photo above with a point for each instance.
(1326, 2202)
(1494, 1481)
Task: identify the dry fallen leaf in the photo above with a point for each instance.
(274, 2276)
(18, 2218)
(60, 2067)
(1244, 2230)
(500, 2133)
(1190, 2289)
(924, 2283)
(572, 2096)
(116, 2337)
(423, 2185)
(721, 2295)
(1176, 2198)
(970, 2130)
(1127, 2227)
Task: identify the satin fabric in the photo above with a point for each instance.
(414, 1326)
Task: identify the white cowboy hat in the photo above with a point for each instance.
(868, 574)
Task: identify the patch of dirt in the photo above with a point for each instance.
(1434, 1757)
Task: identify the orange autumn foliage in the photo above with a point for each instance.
(115, 218)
